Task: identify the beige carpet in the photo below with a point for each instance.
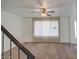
(46, 51)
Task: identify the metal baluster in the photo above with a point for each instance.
(10, 49)
(2, 45)
(28, 57)
(18, 53)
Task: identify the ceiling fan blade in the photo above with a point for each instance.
(49, 15)
(35, 12)
(51, 11)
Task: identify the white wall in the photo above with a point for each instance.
(72, 33)
(67, 33)
(64, 29)
(19, 27)
(27, 29)
(13, 24)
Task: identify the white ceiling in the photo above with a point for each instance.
(24, 7)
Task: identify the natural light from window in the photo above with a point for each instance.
(46, 28)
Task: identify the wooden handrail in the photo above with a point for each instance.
(18, 44)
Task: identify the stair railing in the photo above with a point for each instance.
(17, 43)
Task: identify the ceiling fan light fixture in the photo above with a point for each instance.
(43, 14)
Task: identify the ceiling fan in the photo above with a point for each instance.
(43, 11)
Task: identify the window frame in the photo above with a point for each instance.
(46, 39)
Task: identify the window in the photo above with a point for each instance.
(46, 28)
